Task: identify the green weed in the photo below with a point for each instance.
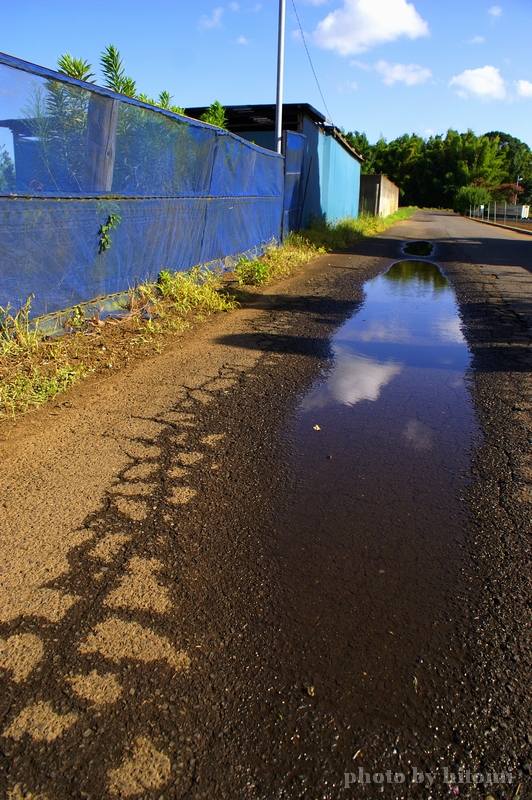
(104, 233)
(341, 235)
(299, 248)
(276, 262)
(31, 370)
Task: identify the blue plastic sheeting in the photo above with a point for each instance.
(72, 154)
(294, 150)
(49, 247)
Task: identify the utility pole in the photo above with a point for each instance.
(280, 78)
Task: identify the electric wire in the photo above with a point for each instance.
(310, 62)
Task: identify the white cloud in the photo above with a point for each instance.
(362, 24)
(524, 88)
(242, 40)
(214, 21)
(484, 82)
(410, 74)
(234, 6)
(476, 40)
(348, 86)
(360, 65)
(495, 11)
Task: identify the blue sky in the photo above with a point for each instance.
(385, 67)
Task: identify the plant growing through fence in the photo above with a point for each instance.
(114, 73)
(105, 237)
(114, 77)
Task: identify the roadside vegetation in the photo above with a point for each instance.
(35, 369)
(321, 237)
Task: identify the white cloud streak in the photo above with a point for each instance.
(409, 74)
(348, 86)
(484, 82)
(476, 40)
(214, 21)
(361, 24)
(495, 11)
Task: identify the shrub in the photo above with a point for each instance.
(470, 197)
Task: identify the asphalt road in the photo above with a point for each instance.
(154, 643)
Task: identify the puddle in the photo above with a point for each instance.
(370, 543)
(418, 248)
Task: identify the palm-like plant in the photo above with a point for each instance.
(113, 70)
(75, 68)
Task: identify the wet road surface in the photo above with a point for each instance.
(381, 448)
(204, 596)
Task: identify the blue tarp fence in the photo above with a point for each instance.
(294, 149)
(72, 155)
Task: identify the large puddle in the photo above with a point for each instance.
(370, 542)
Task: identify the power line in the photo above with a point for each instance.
(310, 61)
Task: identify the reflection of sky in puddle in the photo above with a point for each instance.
(408, 320)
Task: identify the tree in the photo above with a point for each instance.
(431, 172)
(361, 144)
(115, 78)
(215, 115)
(7, 171)
(518, 160)
(507, 193)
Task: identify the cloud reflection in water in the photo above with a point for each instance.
(355, 378)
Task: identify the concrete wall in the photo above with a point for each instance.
(378, 196)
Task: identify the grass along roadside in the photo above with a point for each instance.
(320, 237)
(34, 369)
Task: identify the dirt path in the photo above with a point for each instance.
(138, 612)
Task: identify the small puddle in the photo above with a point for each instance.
(370, 543)
(418, 249)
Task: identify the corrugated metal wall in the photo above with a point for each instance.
(333, 179)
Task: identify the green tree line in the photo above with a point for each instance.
(451, 171)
